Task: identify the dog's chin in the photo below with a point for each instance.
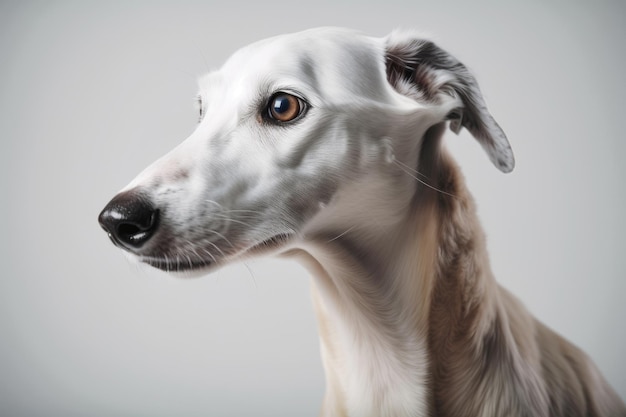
(179, 268)
(196, 272)
(184, 267)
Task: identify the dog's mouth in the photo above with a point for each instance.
(185, 262)
(179, 263)
(272, 243)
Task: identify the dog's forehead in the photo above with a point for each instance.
(322, 60)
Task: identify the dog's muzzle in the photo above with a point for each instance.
(130, 220)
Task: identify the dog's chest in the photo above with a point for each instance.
(379, 378)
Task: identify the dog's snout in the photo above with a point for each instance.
(130, 219)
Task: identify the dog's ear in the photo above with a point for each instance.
(418, 68)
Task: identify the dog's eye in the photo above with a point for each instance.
(284, 107)
(200, 108)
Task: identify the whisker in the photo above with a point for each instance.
(410, 168)
(215, 203)
(256, 287)
(236, 221)
(196, 256)
(167, 264)
(210, 254)
(189, 261)
(204, 60)
(342, 234)
(177, 265)
(423, 182)
(222, 236)
(224, 210)
(217, 248)
(241, 211)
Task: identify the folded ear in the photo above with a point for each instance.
(421, 70)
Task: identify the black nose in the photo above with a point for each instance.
(129, 219)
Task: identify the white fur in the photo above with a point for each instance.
(340, 189)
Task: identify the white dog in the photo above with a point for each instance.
(326, 146)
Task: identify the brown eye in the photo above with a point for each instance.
(284, 107)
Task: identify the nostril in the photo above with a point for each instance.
(126, 229)
(129, 219)
(136, 233)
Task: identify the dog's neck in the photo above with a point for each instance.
(396, 310)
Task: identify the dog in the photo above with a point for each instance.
(326, 146)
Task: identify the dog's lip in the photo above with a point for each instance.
(273, 242)
(182, 264)
(176, 264)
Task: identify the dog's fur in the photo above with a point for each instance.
(360, 189)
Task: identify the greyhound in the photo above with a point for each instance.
(325, 146)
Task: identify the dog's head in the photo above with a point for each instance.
(298, 133)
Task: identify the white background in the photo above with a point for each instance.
(91, 93)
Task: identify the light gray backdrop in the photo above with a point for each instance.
(90, 93)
